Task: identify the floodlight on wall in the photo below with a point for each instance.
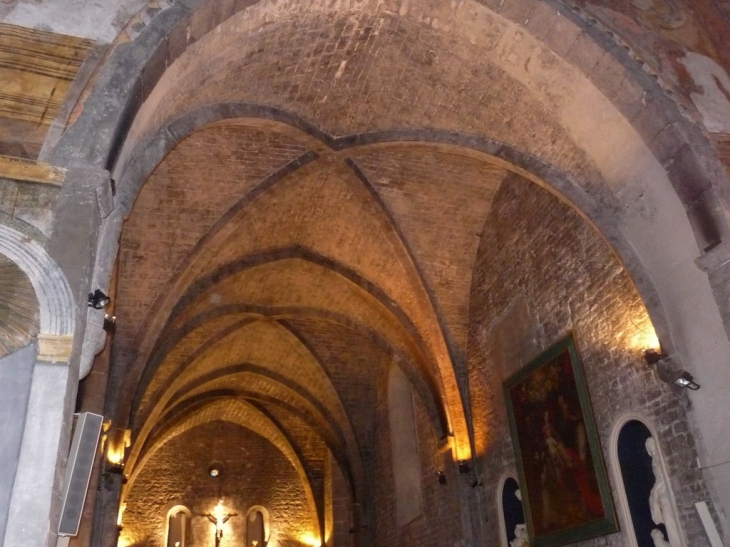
(98, 300)
(464, 467)
(441, 477)
(685, 380)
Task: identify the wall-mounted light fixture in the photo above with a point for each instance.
(464, 467)
(653, 356)
(441, 477)
(680, 378)
(685, 379)
(117, 442)
(219, 517)
(110, 323)
(98, 300)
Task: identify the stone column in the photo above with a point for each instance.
(35, 502)
(715, 449)
(15, 378)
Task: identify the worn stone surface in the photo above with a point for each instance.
(29, 203)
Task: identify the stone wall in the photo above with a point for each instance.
(254, 473)
(542, 272)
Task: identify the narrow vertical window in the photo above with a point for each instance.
(404, 448)
(257, 527)
(178, 525)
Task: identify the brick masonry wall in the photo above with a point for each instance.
(439, 525)
(255, 473)
(177, 206)
(341, 509)
(537, 255)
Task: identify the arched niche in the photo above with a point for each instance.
(177, 533)
(258, 528)
(511, 512)
(632, 467)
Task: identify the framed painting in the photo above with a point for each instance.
(563, 481)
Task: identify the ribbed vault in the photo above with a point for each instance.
(296, 224)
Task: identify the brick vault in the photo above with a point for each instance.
(331, 232)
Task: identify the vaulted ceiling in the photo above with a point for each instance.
(283, 296)
(305, 193)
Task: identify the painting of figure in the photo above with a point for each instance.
(563, 478)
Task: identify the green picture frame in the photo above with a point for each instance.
(565, 490)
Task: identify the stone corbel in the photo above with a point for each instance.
(714, 258)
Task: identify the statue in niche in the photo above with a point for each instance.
(521, 538)
(658, 537)
(659, 502)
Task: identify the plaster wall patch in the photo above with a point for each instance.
(713, 102)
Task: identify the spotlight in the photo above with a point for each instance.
(685, 379)
(653, 356)
(441, 476)
(110, 323)
(98, 300)
(463, 467)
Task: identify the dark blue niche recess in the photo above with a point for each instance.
(511, 508)
(638, 479)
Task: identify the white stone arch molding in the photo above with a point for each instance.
(55, 298)
(627, 525)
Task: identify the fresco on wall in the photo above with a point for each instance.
(558, 455)
(663, 32)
